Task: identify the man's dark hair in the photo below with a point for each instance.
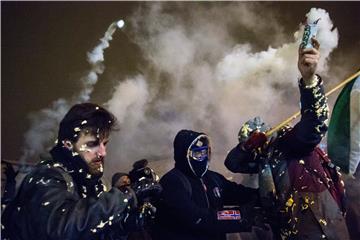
(86, 117)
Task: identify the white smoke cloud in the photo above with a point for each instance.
(205, 79)
(44, 124)
(42, 128)
(207, 70)
(327, 35)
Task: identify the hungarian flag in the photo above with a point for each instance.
(343, 141)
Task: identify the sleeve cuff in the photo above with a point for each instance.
(310, 83)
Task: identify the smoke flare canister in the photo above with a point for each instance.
(310, 31)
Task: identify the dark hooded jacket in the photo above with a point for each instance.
(189, 204)
(59, 199)
(309, 191)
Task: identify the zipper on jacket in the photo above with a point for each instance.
(207, 199)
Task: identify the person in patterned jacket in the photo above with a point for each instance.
(301, 190)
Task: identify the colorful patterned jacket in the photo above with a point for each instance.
(309, 194)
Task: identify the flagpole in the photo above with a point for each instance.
(288, 120)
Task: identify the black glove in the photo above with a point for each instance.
(256, 140)
(148, 210)
(147, 191)
(133, 221)
(136, 220)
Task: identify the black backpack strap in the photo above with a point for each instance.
(183, 179)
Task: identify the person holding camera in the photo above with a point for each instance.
(140, 178)
(192, 203)
(64, 197)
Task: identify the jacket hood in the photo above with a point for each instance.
(182, 142)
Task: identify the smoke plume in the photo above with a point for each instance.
(208, 68)
(43, 124)
(201, 76)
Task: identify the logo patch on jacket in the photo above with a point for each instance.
(228, 215)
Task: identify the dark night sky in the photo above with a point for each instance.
(44, 45)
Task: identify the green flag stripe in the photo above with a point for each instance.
(338, 140)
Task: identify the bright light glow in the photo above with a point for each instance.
(120, 23)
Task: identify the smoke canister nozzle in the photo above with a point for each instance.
(310, 32)
(120, 23)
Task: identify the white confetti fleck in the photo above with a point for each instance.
(45, 203)
(126, 200)
(77, 129)
(101, 224)
(323, 221)
(84, 148)
(97, 108)
(83, 122)
(18, 208)
(74, 154)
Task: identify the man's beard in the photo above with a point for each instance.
(96, 167)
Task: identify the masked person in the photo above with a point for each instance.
(300, 188)
(64, 197)
(193, 197)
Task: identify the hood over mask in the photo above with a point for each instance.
(192, 152)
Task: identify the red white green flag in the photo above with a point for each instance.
(343, 141)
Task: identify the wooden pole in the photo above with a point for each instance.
(288, 120)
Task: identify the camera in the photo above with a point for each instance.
(144, 182)
(141, 172)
